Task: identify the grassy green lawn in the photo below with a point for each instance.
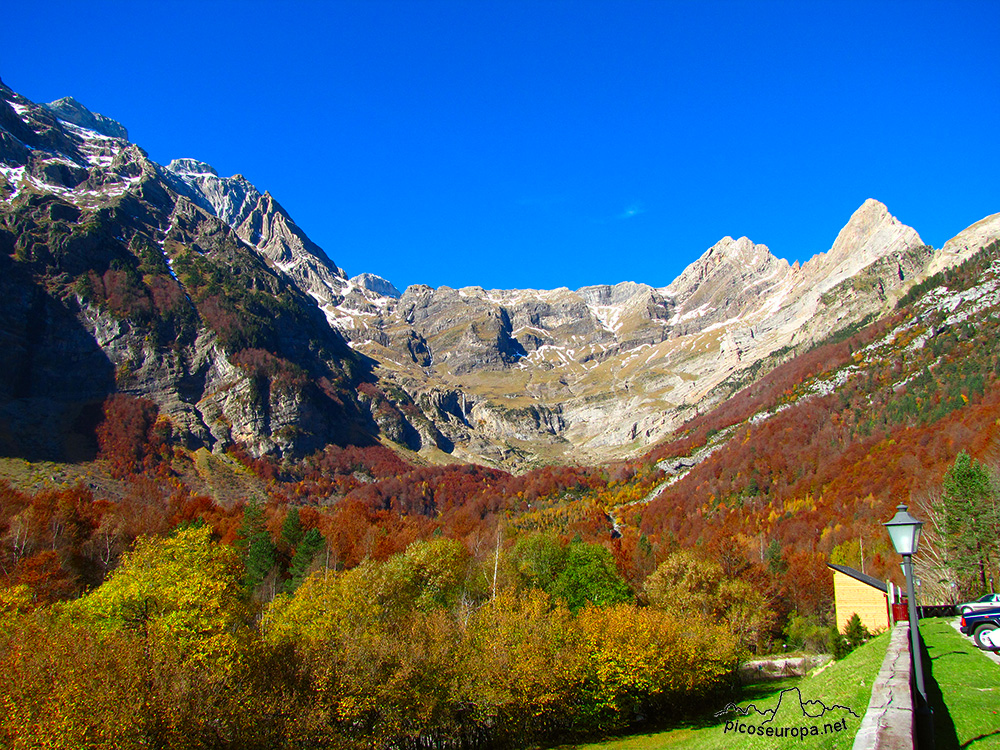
(846, 683)
(964, 689)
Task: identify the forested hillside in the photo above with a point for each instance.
(166, 596)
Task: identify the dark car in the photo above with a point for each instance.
(984, 627)
(989, 601)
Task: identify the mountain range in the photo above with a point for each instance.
(202, 295)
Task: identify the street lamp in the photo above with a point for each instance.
(904, 530)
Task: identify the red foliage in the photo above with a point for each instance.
(44, 573)
(167, 294)
(192, 508)
(220, 316)
(375, 460)
(804, 479)
(370, 389)
(129, 437)
(263, 467)
(122, 292)
(260, 363)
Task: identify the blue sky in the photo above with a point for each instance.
(512, 144)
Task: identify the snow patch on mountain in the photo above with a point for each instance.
(69, 110)
(15, 178)
(376, 284)
(609, 316)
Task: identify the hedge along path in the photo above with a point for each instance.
(846, 683)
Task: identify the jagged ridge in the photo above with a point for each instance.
(540, 374)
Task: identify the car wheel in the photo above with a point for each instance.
(981, 631)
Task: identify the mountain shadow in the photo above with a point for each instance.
(53, 374)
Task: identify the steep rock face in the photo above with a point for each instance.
(462, 330)
(612, 368)
(124, 278)
(200, 292)
(50, 368)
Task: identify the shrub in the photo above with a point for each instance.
(855, 634)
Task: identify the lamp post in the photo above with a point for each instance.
(904, 530)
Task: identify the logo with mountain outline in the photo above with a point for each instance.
(787, 717)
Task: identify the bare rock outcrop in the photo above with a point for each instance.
(129, 254)
(966, 243)
(621, 365)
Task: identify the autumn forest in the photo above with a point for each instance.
(354, 598)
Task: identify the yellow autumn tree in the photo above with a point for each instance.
(203, 672)
(15, 602)
(379, 657)
(323, 607)
(181, 592)
(62, 685)
(685, 583)
(642, 659)
(521, 664)
(696, 589)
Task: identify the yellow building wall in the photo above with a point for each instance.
(851, 595)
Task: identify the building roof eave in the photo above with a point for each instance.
(859, 576)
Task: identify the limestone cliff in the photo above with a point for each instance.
(201, 293)
(122, 278)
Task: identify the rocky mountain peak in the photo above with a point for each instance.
(871, 233)
(725, 267)
(70, 110)
(870, 230)
(191, 167)
(376, 284)
(731, 248)
(229, 198)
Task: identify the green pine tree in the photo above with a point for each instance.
(776, 564)
(305, 552)
(841, 644)
(291, 530)
(855, 633)
(255, 546)
(971, 524)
